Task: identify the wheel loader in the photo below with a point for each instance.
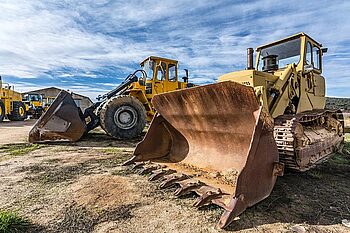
(34, 104)
(122, 113)
(11, 105)
(227, 142)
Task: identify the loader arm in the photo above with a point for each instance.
(278, 104)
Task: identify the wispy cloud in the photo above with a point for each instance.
(91, 46)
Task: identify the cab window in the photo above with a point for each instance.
(172, 73)
(308, 54)
(316, 58)
(34, 98)
(148, 67)
(161, 72)
(287, 52)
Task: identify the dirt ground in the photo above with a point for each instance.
(81, 187)
(14, 131)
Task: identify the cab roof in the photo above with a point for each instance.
(298, 35)
(159, 58)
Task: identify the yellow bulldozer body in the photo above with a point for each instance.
(309, 88)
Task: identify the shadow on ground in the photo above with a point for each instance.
(98, 138)
(317, 197)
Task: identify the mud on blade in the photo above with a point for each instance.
(219, 135)
(61, 121)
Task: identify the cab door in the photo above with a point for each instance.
(160, 78)
(172, 81)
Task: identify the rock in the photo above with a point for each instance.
(298, 229)
(345, 222)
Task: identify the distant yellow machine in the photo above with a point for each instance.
(122, 112)
(11, 105)
(48, 100)
(34, 104)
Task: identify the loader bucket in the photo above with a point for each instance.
(62, 121)
(219, 142)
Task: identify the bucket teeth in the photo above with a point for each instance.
(187, 186)
(206, 195)
(138, 165)
(147, 169)
(156, 174)
(171, 179)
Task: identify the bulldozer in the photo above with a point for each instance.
(227, 142)
(122, 113)
(11, 105)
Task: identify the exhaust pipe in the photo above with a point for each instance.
(250, 53)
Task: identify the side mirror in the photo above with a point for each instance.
(324, 50)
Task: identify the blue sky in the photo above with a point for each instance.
(90, 46)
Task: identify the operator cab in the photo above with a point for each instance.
(156, 68)
(160, 73)
(299, 49)
(31, 97)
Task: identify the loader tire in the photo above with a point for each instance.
(98, 113)
(19, 112)
(2, 111)
(123, 117)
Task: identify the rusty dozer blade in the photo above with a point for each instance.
(220, 135)
(61, 121)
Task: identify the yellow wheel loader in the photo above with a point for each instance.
(227, 142)
(34, 104)
(11, 105)
(122, 112)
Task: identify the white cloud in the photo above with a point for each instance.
(208, 37)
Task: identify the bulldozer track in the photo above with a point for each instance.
(297, 149)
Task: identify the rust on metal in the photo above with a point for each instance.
(61, 121)
(157, 174)
(149, 168)
(171, 179)
(306, 139)
(216, 134)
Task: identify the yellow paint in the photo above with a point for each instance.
(21, 111)
(301, 81)
(8, 95)
(157, 83)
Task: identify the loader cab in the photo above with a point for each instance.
(299, 49)
(162, 75)
(32, 97)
